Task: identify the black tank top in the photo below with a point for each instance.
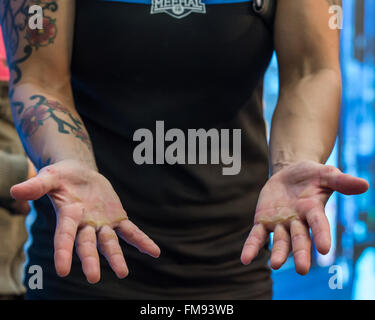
(193, 65)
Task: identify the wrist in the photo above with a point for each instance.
(285, 157)
(88, 164)
(78, 155)
(280, 165)
(85, 164)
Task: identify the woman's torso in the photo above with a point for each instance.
(131, 68)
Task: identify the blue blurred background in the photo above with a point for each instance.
(352, 257)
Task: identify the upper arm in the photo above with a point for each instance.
(41, 57)
(304, 42)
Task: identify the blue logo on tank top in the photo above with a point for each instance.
(177, 8)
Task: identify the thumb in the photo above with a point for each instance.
(333, 178)
(36, 187)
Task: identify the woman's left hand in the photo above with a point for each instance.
(290, 203)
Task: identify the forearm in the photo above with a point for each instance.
(305, 122)
(49, 126)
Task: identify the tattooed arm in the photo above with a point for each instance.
(89, 212)
(40, 91)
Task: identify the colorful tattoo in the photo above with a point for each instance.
(14, 17)
(44, 37)
(35, 116)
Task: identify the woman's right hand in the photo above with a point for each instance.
(89, 215)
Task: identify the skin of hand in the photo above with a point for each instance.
(89, 212)
(290, 203)
(89, 215)
(303, 133)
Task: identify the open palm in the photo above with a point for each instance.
(89, 215)
(290, 203)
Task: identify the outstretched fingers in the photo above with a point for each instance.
(253, 243)
(301, 244)
(319, 225)
(109, 246)
(129, 232)
(87, 251)
(66, 230)
(281, 246)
